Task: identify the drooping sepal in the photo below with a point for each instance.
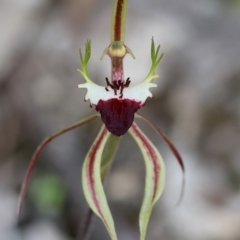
(173, 150)
(155, 176)
(107, 158)
(84, 59)
(156, 58)
(38, 152)
(92, 182)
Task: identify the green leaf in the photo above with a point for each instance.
(38, 152)
(48, 193)
(92, 182)
(155, 176)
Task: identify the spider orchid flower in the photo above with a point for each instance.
(117, 103)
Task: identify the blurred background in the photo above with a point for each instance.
(197, 104)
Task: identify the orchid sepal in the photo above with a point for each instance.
(92, 182)
(38, 152)
(155, 176)
(174, 151)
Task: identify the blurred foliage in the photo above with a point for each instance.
(48, 193)
(235, 3)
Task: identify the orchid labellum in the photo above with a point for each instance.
(117, 103)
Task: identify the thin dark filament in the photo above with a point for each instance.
(37, 154)
(84, 232)
(118, 85)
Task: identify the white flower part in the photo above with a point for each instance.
(138, 93)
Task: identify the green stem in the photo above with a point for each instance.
(109, 154)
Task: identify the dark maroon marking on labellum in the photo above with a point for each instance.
(118, 85)
(118, 114)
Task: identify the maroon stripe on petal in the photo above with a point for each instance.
(174, 151)
(152, 156)
(90, 171)
(167, 140)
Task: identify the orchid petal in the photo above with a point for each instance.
(155, 176)
(138, 93)
(92, 182)
(38, 152)
(174, 151)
